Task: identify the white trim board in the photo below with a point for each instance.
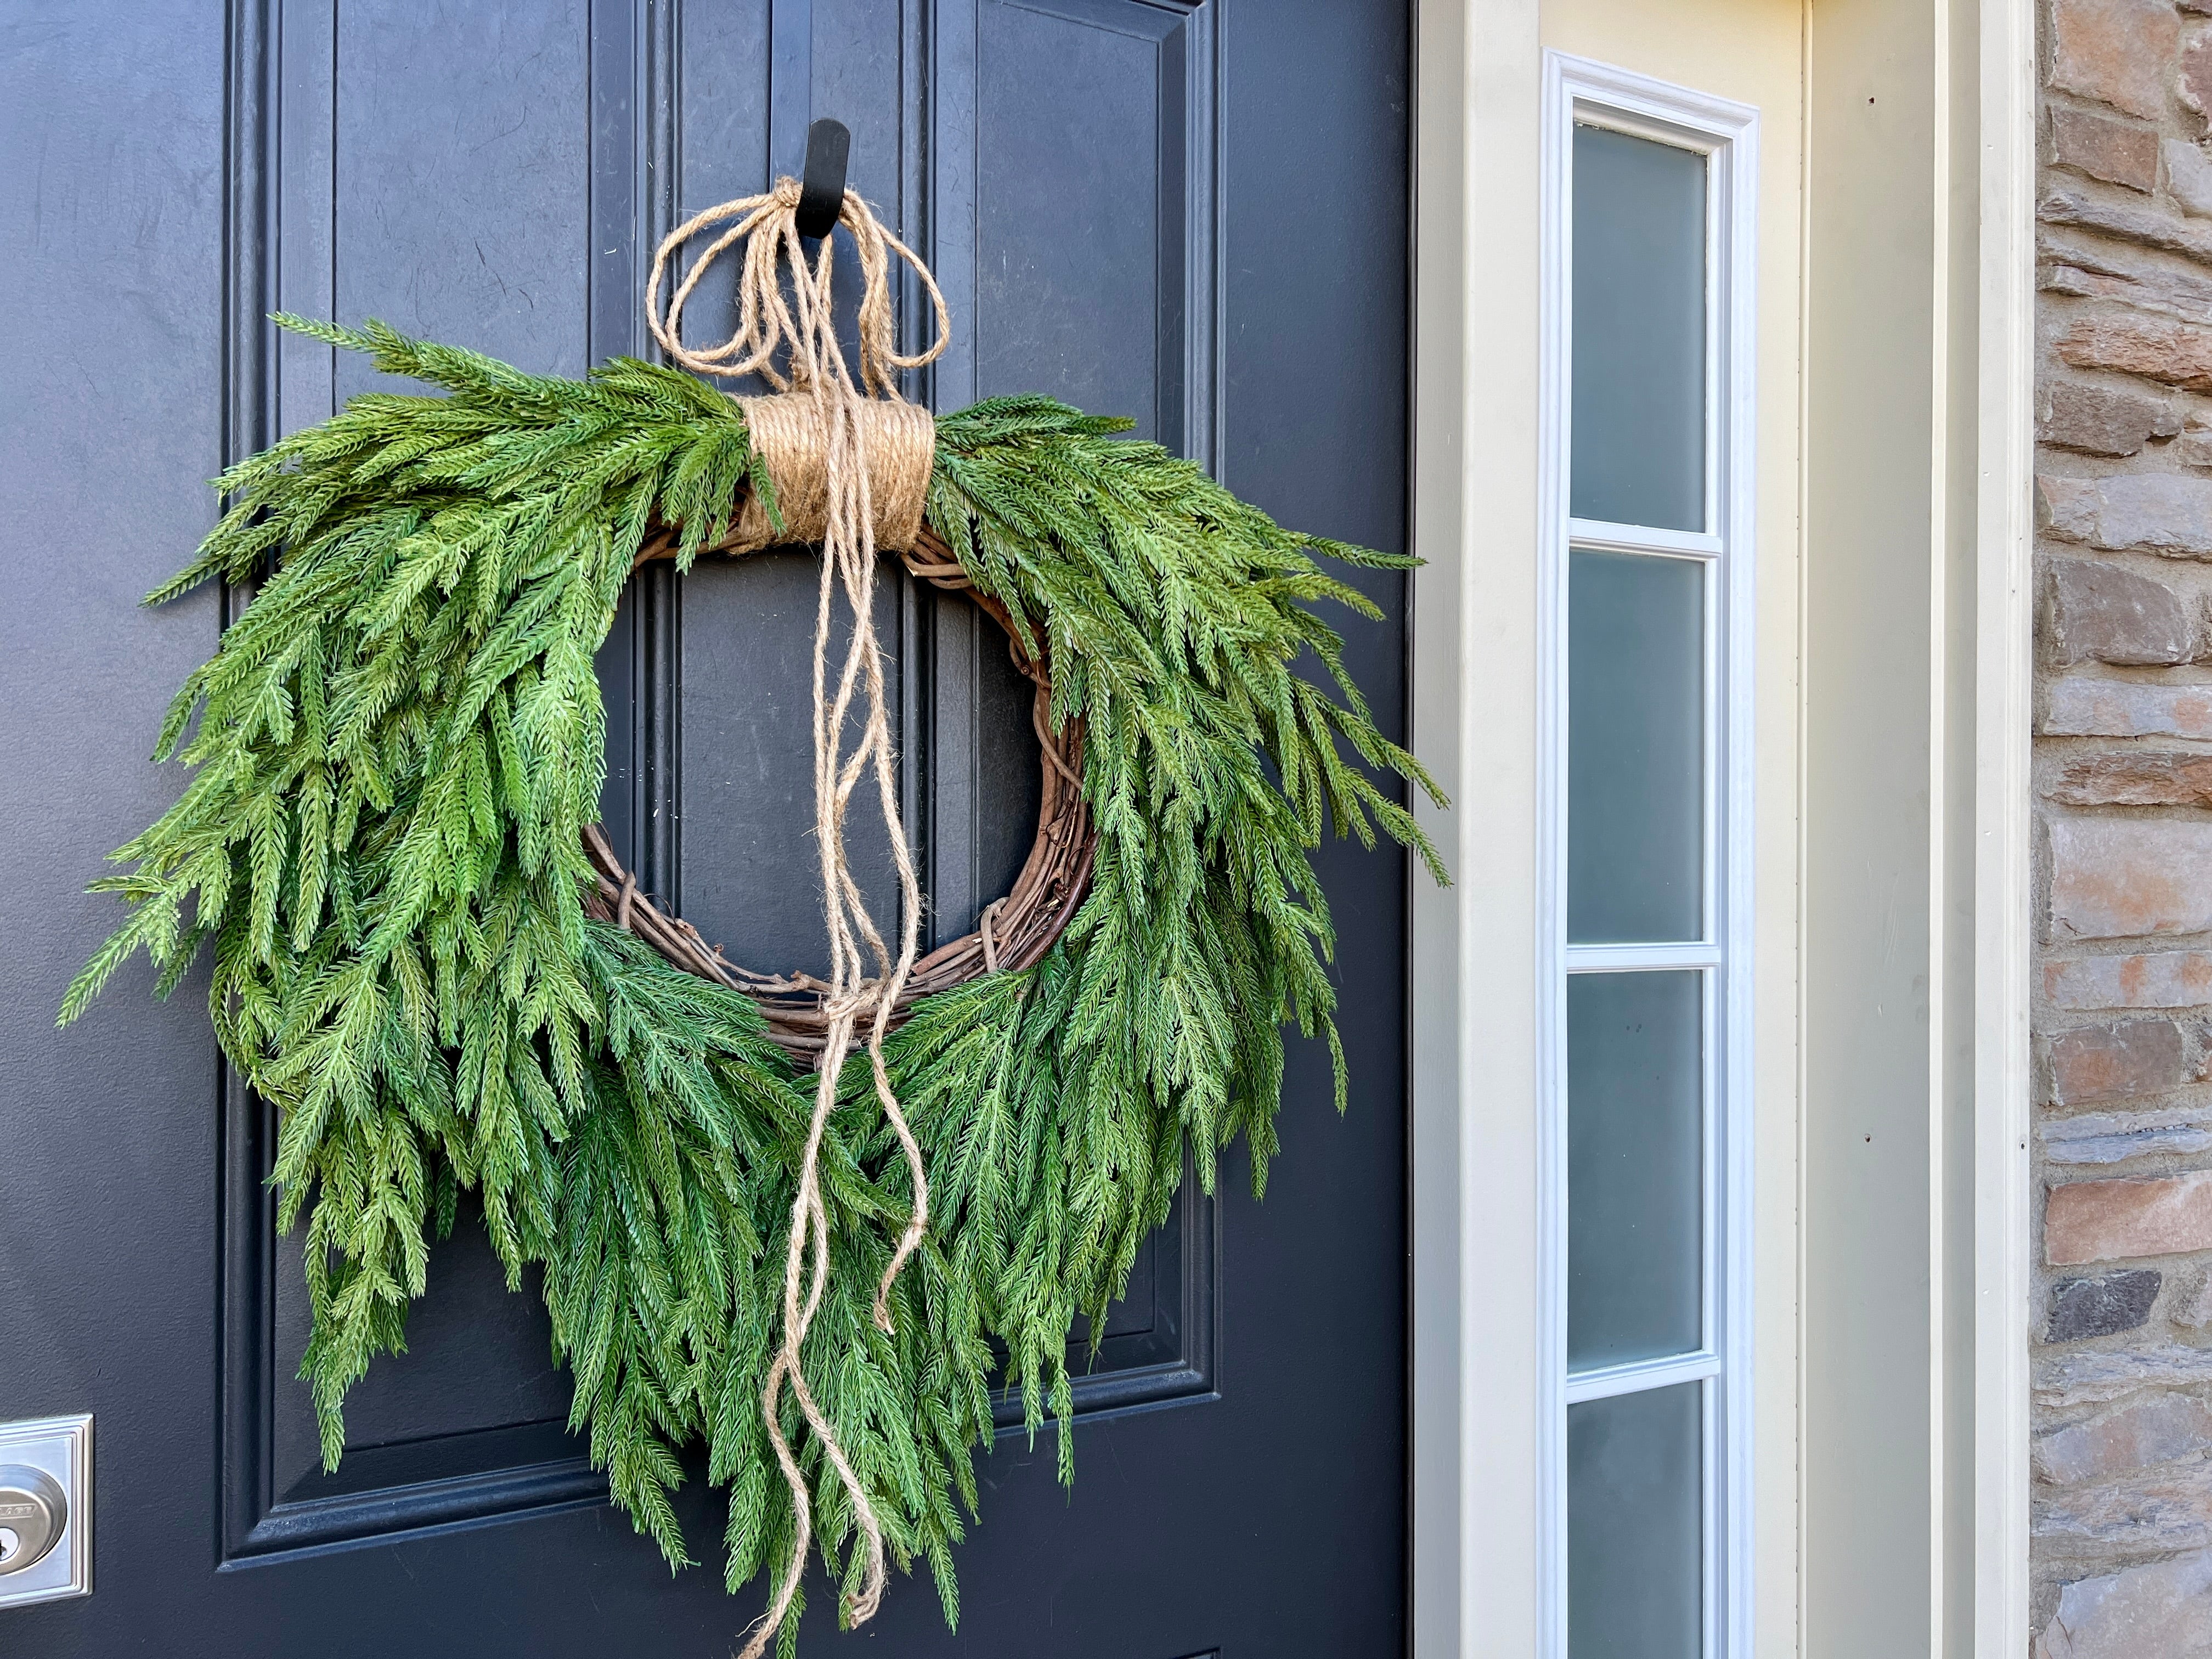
(2002, 885)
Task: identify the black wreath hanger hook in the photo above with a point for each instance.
(822, 187)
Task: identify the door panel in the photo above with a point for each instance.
(460, 189)
(1170, 210)
(1092, 278)
(742, 702)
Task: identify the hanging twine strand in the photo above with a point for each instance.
(850, 464)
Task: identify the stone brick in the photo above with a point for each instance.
(2111, 271)
(2119, 51)
(2115, 1136)
(2100, 420)
(2107, 1220)
(2163, 1610)
(2188, 176)
(2118, 152)
(2152, 227)
(2158, 512)
(2095, 1376)
(2135, 777)
(2124, 878)
(2195, 1310)
(2193, 449)
(2156, 979)
(2083, 1308)
(2174, 353)
(2126, 1057)
(2136, 1437)
(2163, 1509)
(2101, 613)
(2196, 78)
(2123, 709)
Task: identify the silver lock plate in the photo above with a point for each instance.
(33, 1513)
(45, 1511)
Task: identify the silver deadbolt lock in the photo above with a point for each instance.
(33, 1509)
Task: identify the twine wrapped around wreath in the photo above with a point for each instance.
(851, 471)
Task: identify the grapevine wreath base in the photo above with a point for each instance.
(1012, 933)
(427, 956)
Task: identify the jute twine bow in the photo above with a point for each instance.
(852, 470)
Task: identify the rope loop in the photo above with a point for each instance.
(768, 324)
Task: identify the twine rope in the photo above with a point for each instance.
(850, 462)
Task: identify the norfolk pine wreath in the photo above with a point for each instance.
(427, 956)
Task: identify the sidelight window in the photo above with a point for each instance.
(1646, 983)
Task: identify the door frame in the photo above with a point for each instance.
(1477, 1303)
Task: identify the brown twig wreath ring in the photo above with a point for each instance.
(1012, 931)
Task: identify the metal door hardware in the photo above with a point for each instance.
(46, 1511)
(33, 1509)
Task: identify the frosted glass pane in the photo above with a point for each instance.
(1635, 1166)
(1639, 332)
(1636, 741)
(1635, 1531)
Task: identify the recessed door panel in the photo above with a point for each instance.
(461, 175)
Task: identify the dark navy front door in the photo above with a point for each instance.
(1194, 212)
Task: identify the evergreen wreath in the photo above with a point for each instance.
(388, 842)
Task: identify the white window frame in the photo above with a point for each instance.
(1578, 91)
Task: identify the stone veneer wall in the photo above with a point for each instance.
(2122, 1333)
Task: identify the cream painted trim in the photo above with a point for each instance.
(2003, 715)
(1476, 1413)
